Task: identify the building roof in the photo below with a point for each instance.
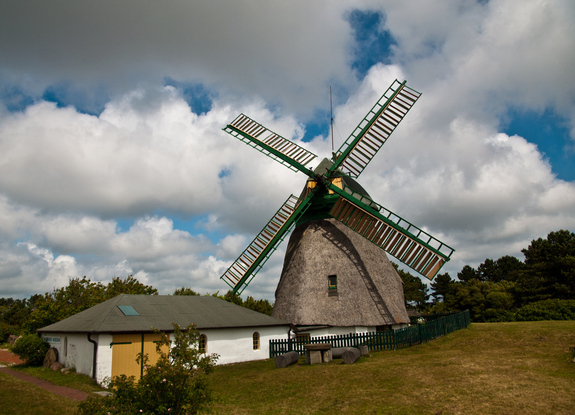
(141, 313)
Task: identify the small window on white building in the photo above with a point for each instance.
(256, 338)
(203, 346)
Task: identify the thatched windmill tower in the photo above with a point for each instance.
(336, 272)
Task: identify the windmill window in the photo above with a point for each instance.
(203, 346)
(332, 282)
(256, 338)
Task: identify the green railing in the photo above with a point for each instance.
(383, 340)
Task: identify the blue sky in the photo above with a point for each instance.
(113, 160)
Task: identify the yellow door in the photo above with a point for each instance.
(150, 348)
(125, 349)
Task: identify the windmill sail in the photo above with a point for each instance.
(406, 242)
(401, 239)
(372, 132)
(241, 272)
(273, 145)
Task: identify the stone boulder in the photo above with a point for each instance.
(56, 366)
(12, 339)
(51, 357)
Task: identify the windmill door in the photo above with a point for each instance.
(125, 349)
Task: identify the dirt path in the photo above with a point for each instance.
(10, 358)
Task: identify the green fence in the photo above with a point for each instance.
(383, 340)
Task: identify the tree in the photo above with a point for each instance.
(487, 271)
(549, 268)
(486, 301)
(129, 285)
(440, 287)
(176, 384)
(467, 274)
(79, 295)
(505, 268)
(414, 289)
(185, 291)
(261, 306)
(508, 268)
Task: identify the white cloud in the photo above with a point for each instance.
(237, 46)
(67, 179)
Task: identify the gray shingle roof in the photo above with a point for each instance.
(159, 312)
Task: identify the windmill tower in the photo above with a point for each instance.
(336, 272)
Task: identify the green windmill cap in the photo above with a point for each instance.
(323, 167)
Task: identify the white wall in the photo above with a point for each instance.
(74, 350)
(104, 363)
(331, 331)
(236, 345)
(233, 345)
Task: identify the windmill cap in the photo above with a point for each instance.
(324, 166)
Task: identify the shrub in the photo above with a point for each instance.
(5, 331)
(552, 309)
(31, 348)
(176, 384)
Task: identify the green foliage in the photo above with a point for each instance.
(31, 348)
(414, 289)
(552, 309)
(261, 306)
(185, 291)
(467, 274)
(128, 285)
(441, 286)
(486, 301)
(550, 268)
(5, 331)
(507, 289)
(79, 295)
(176, 384)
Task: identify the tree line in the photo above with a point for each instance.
(542, 287)
(25, 316)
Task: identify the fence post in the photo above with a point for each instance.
(419, 330)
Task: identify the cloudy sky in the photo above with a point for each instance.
(113, 160)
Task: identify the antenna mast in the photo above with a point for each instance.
(331, 122)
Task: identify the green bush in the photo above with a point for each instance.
(176, 384)
(5, 331)
(553, 309)
(31, 348)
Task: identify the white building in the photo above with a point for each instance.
(103, 341)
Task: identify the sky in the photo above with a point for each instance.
(113, 161)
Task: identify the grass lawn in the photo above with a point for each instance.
(490, 368)
(22, 398)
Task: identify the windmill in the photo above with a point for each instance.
(335, 270)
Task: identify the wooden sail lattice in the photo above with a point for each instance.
(412, 246)
(274, 145)
(263, 245)
(373, 131)
(406, 242)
